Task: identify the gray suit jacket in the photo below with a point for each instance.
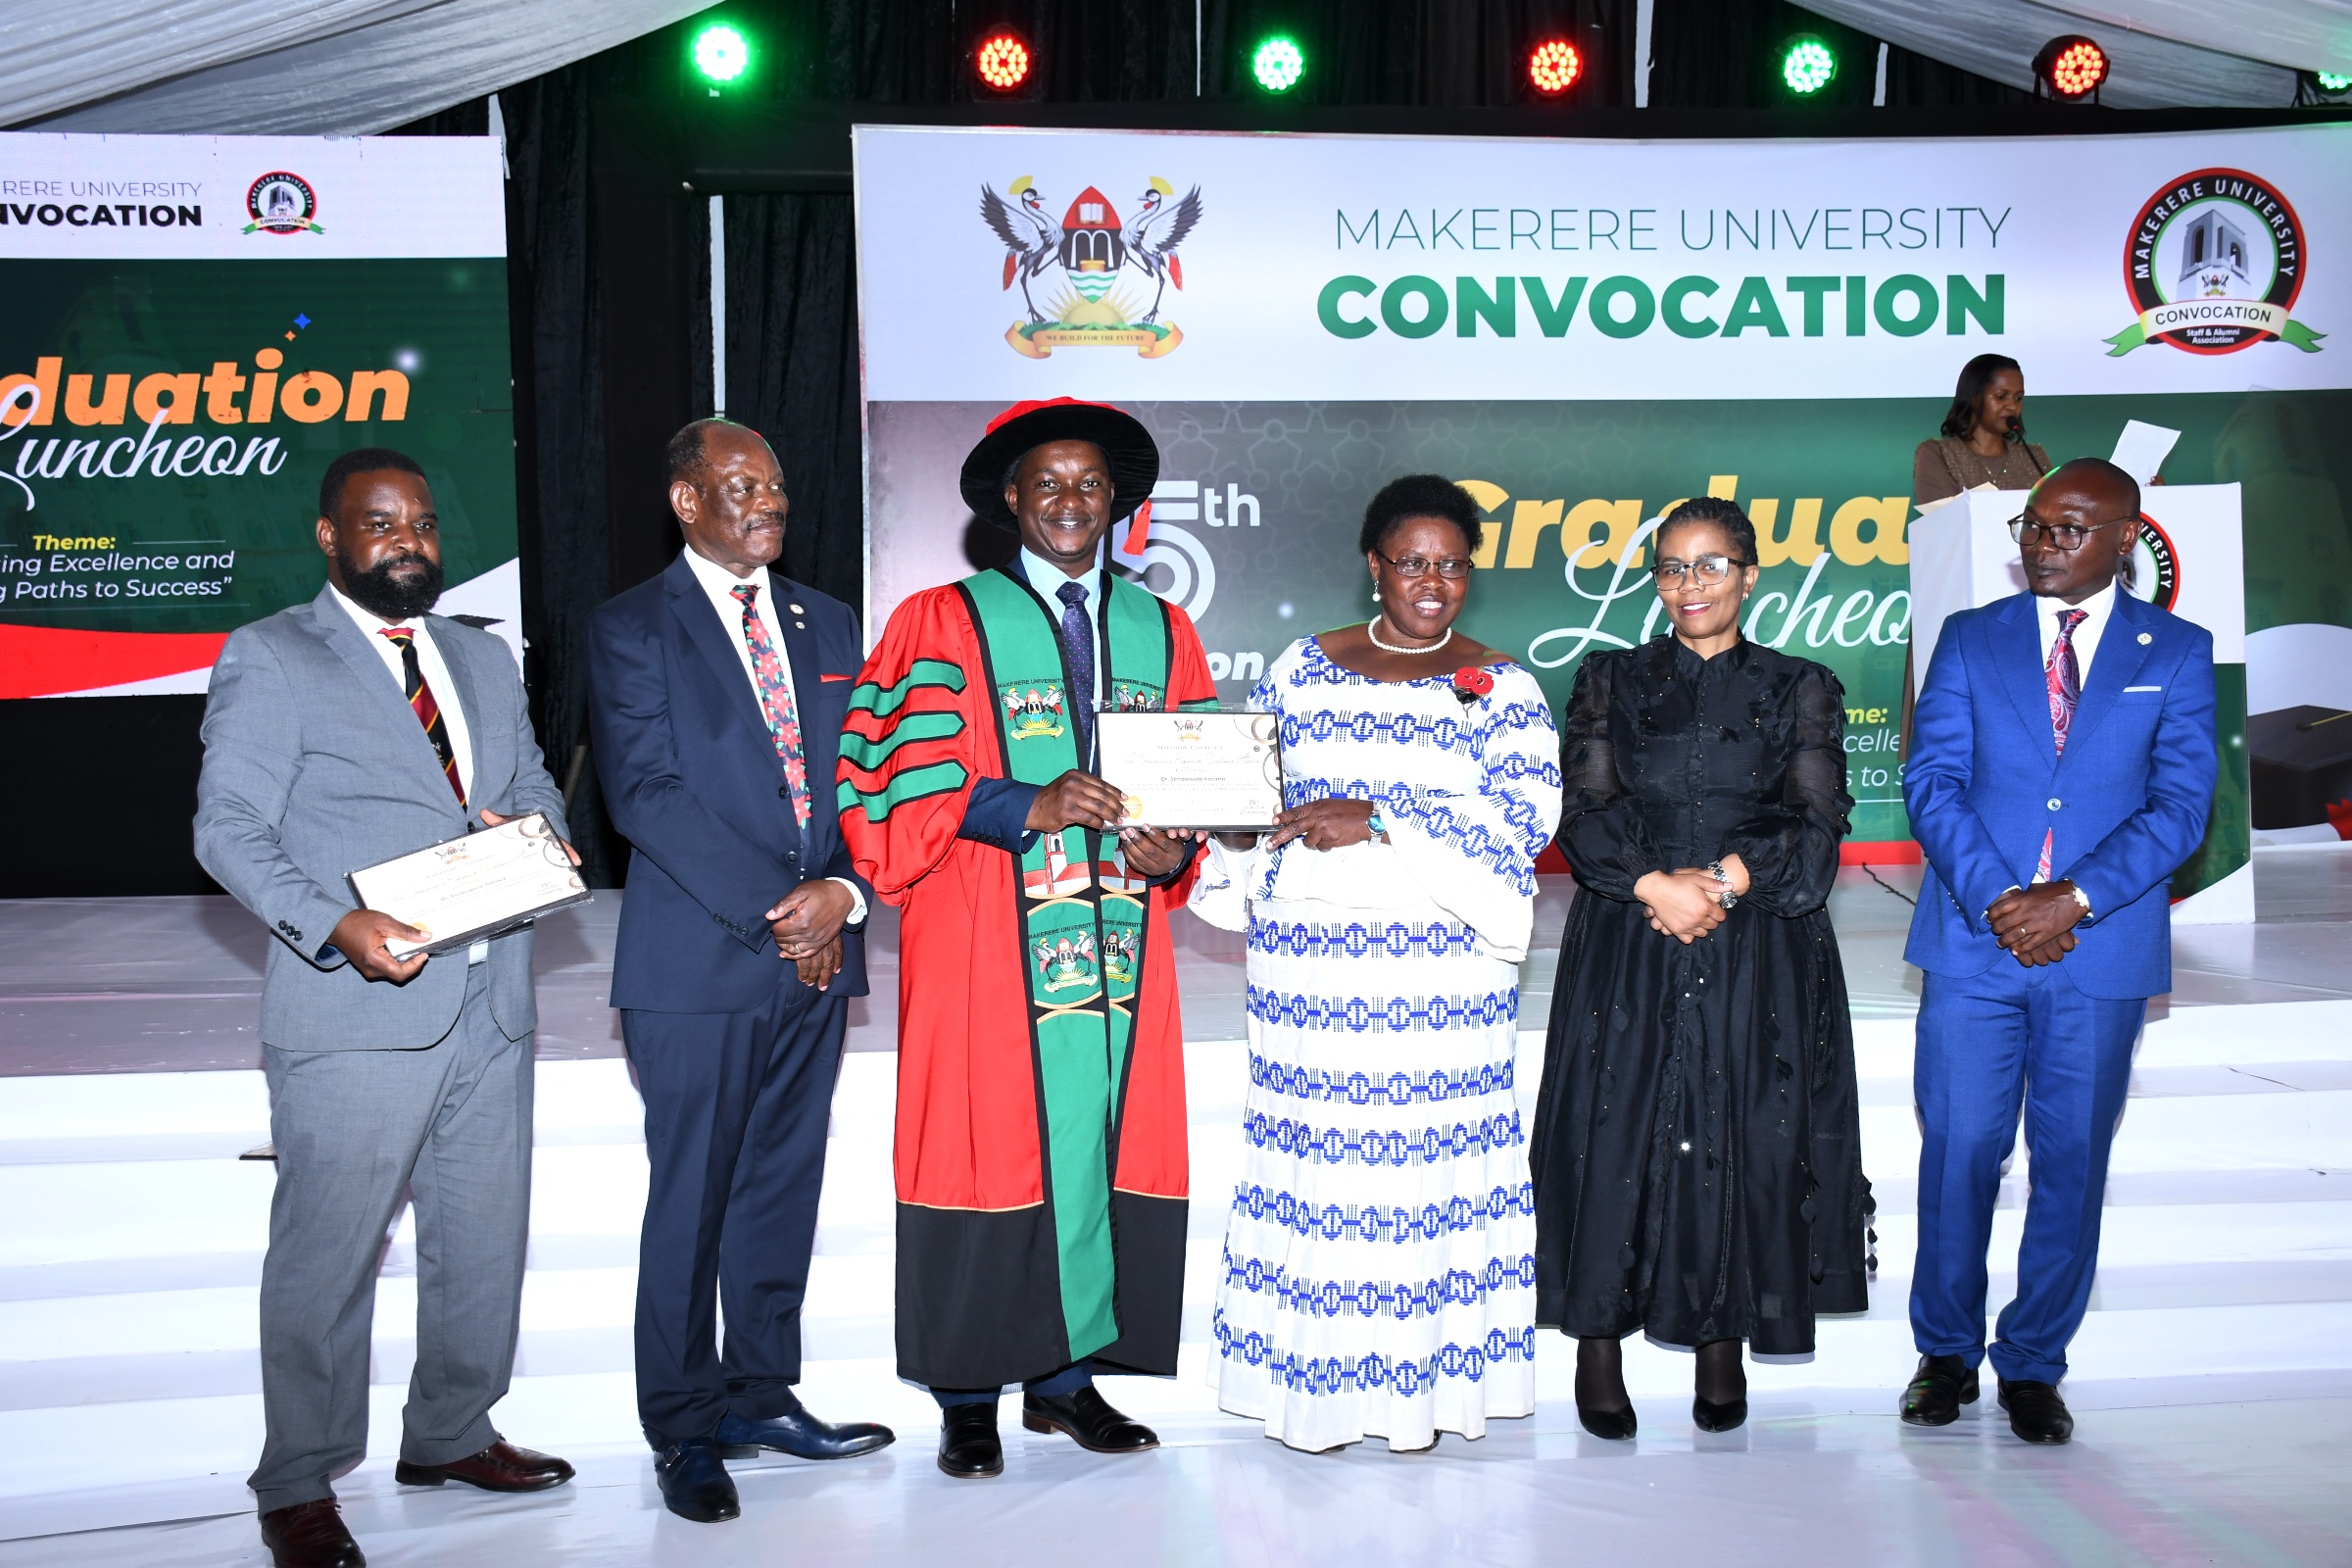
(315, 765)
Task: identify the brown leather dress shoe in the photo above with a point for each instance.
(500, 1467)
(311, 1535)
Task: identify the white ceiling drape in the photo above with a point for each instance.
(353, 67)
(337, 67)
(2163, 66)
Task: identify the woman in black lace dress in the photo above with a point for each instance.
(1697, 1150)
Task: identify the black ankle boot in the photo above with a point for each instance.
(1601, 1403)
(1719, 1371)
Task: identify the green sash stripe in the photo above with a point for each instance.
(882, 701)
(914, 784)
(928, 726)
(1076, 939)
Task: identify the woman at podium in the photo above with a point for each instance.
(1983, 440)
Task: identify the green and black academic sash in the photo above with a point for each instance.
(1078, 910)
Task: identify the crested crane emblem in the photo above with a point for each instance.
(1095, 306)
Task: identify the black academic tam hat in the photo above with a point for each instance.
(1132, 455)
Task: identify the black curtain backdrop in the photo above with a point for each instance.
(611, 162)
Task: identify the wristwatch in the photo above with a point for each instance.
(1723, 881)
(1374, 827)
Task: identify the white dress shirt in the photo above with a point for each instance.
(719, 584)
(1046, 578)
(430, 665)
(2098, 608)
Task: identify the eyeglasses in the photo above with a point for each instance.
(1706, 571)
(2067, 538)
(1453, 567)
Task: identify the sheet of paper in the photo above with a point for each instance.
(1218, 770)
(2141, 449)
(478, 885)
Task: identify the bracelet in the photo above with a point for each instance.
(1723, 879)
(1374, 826)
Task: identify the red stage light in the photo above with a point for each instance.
(2071, 66)
(1003, 61)
(1553, 67)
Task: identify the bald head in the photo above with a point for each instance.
(2083, 520)
(2109, 488)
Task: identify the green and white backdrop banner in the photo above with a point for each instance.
(1584, 334)
(192, 328)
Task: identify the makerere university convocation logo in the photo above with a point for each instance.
(1095, 304)
(2214, 262)
(282, 203)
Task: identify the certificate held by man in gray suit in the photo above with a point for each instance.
(338, 734)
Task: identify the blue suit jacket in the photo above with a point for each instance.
(691, 779)
(2126, 804)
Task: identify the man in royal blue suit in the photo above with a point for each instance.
(718, 694)
(2062, 767)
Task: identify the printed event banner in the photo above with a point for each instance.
(195, 326)
(1584, 334)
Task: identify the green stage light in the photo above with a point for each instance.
(2332, 81)
(1278, 64)
(720, 53)
(1808, 66)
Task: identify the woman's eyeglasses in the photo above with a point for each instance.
(1706, 571)
(1453, 567)
(2067, 538)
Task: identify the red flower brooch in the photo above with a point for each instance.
(1470, 683)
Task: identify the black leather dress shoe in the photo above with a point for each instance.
(500, 1467)
(1939, 1388)
(1089, 1419)
(694, 1484)
(969, 1448)
(310, 1535)
(798, 1433)
(2037, 1413)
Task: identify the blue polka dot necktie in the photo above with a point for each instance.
(1078, 649)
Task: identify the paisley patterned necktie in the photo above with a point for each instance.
(2063, 677)
(775, 701)
(427, 708)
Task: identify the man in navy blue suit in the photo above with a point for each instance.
(718, 692)
(2062, 767)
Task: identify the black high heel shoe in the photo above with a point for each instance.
(1600, 1361)
(1727, 1415)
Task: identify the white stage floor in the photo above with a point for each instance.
(2213, 1379)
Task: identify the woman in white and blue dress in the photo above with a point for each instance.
(1378, 1276)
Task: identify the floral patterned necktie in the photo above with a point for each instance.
(775, 701)
(2063, 676)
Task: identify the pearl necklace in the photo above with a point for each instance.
(1391, 648)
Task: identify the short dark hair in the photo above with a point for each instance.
(1418, 495)
(683, 458)
(1975, 375)
(1724, 514)
(364, 459)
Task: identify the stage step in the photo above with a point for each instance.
(129, 1266)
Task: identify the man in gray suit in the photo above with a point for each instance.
(338, 734)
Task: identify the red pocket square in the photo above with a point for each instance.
(836, 677)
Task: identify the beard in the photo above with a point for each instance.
(379, 592)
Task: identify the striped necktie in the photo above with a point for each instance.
(2062, 676)
(782, 713)
(427, 709)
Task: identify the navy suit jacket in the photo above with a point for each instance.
(691, 779)
(2125, 807)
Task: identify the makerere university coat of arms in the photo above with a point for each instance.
(1093, 250)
